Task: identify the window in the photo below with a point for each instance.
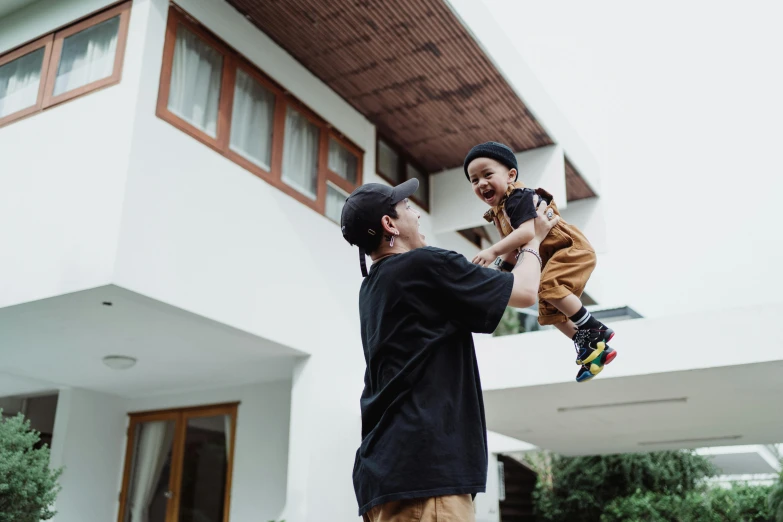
(194, 90)
(300, 153)
(343, 162)
(215, 95)
(178, 465)
(335, 200)
(63, 65)
(388, 163)
(477, 235)
(423, 193)
(251, 126)
(395, 168)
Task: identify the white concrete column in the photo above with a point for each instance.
(88, 440)
(325, 433)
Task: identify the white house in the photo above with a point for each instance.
(177, 306)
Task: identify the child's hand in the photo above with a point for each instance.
(485, 257)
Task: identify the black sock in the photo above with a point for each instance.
(585, 321)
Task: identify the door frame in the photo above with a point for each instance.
(180, 417)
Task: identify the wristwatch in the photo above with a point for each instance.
(505, 266)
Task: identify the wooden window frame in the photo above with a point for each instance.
(179, 416)
(46, 44)
(402, 174)
(335, 187)
(123, 11)
(221, 144)
(220, 140)
(52, 43)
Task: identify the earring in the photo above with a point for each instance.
(391, 243)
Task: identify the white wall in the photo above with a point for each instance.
(487, 504)
(41, 17)
(686, 130)
(501, 50)
(88, 440)
(61, 202)
(203, 234)
(590, 216)
(502, 359)
(261, 453)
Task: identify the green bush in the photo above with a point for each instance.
(509, 323)
(775, 500)
(578, 489)
(741, 503)
(28, 487)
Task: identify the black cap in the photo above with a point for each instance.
(365, 207)
(494, 150)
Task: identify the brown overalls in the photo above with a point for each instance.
(567, 255)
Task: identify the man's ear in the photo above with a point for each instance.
(389, 228)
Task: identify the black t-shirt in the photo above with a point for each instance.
(423, 427)
(520, 206)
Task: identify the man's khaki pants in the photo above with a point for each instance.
(452, 508)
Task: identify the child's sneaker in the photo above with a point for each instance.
(592, 352)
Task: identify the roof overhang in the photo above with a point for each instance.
(414, 70)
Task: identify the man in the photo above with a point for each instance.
(423, 454)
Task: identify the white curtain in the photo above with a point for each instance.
(342, 161)
(227, 425)
(151, 453)
(300, 153)
(251, 120)
(335, 200)
(19, 82)
(87, 56)
(195, 82)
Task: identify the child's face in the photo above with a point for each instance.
(490, 179)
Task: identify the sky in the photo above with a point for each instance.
(681, 104)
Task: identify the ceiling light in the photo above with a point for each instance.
(623, 404)
(119, 362)
(690, 441)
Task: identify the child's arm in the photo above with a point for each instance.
(523, 234)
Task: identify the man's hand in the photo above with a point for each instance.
(543, 223)
(485, 257)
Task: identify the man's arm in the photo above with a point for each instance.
(527, 278)
(515, 240)
(527, 273)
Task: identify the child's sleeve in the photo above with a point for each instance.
(520, 206)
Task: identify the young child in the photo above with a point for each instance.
(566, 256)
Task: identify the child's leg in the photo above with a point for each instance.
(571, 306)
(568, 328)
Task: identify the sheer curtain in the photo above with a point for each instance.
(251, 120)
(335, 200)
(87, 56)
(300, 153)
(227, 431)
(154, 444)
(19, 82)
(195, 82)
(342, 161)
